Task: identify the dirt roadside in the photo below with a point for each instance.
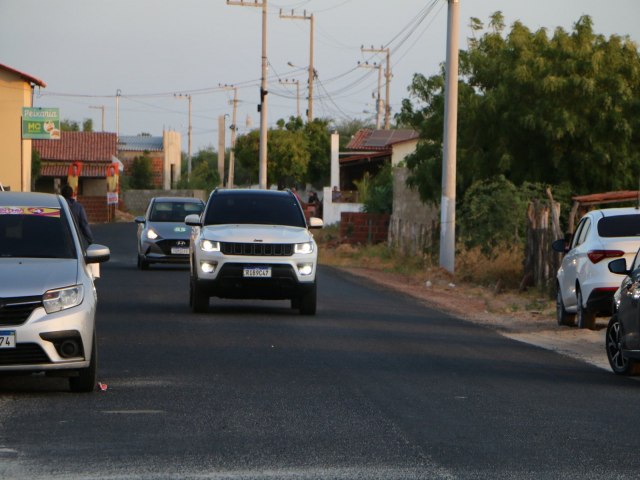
(526, 319)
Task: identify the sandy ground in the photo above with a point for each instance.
(519, 317)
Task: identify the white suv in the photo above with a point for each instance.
(253, 244)
(585, 286)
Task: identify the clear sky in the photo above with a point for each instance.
(149, 50)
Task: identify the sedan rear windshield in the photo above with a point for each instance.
(174, 211)
(254, 209)
(35, 233)
(619, 226)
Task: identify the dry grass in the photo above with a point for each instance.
(493, 279)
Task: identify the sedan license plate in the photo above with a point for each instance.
(179, 251)
(256, 272)
(7, 339)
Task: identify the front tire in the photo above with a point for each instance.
(613, 344)
(307, 302)
(198, 300)
(585, 317)
(142, 263)
(85, 382)
(562, 316)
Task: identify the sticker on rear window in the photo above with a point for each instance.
(35, 211)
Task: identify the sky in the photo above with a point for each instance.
(151, 51)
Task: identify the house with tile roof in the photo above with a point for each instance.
(368, 150)
(16, 92)
(94, 152)
(164, 152)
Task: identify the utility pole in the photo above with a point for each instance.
(262, 174)
(448, 202)
(100, 107)
(188, 97)
(234, 129)
(297, 84)
(118, 93)
(379, 99)
(312, 71)
(387, 76)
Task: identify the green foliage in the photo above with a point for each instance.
(204, 171)
(141, 176)
(551, 109)
(297, 153)
(377, 193)
(67, 125)
(492, 213)
(87, 125)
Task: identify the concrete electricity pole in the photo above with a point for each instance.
(188, 97)
(311, 69)
(100, 107)
(387, 76)
(118, 93)
(448, 202)
(297, 84)
(234, 129)
(379, 100)
(262, 174)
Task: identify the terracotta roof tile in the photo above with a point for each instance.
(24, 76)
(380, 139)
(78, 147)
(96, 170)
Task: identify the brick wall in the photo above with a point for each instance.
(96, 208)
(364, 228)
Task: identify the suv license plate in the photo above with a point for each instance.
(7, 339)
(263, 272)
(179, 251)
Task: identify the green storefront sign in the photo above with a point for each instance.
(41, 123)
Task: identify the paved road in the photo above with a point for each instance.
(375, 386)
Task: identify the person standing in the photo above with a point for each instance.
(78, 212)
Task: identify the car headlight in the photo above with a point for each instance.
(209, 246)
(62, 298)
(305, 248)
(151, 234)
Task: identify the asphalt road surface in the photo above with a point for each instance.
(375, 386)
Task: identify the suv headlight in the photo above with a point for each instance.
(304, 248)
(62, 298)
(209, 246)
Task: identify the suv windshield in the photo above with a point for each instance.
(35, 232)
(254, 208)
(174, 211)
(619, 226)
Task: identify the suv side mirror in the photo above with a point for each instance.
(315, 222)
(193, 220)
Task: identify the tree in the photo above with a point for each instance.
(87, 125)
(204, 171)
(67, 125)
(287, 160)
(141, 174)
(559, 109)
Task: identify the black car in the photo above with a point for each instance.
(163, 237)
(622, 340)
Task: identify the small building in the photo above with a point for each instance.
(164, 153)
(16, 92)
(369, 150)
(95, 152)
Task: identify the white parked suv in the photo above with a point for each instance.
(585, 286)
(253, 244)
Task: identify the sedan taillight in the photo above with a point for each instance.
(598, 255)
